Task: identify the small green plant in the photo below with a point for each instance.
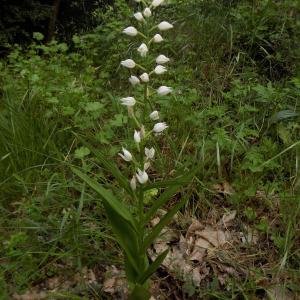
(130, 222)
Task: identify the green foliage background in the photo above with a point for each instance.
(235, 112)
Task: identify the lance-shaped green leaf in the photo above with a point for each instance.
(168, 193)
(123, 224)
(108, 165)
(155, 231)
(126, 235)
(118, 206)
(162, 199)
(153, 267)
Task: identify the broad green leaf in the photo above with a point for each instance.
(93, 106)
(155, 231)
(82, 152)
(139, 293)
(153, 267)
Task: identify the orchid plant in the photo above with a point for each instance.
(130, 222)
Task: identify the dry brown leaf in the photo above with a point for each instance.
(227, 219)
(196, 225)
(198, 255)
(196, 277)
(30, 295)
(223, 188)
(210, 238)
(183, 245)
(109, 285)
(227, 188)
(115, 282)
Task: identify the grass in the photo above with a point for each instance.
(235, 113)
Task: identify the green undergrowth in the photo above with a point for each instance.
(234, 112)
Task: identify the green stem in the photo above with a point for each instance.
(137, 123)
(141, 34)
(141, 67)
(152, 28)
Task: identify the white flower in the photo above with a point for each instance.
(164, 26)
(160, 70)
(154, 115)
(137, 136)
(131, 31)
(139, 16)
(157, 38)
(149, 153)
(147, 12)
(128, 63)
(164, 90)
(162, 59)
(134, 80)
(126, 155)
(141, 176)
(160, 127)
(156, 3)
(143, 50)
(145, 77)
(128, 101)
(133, 183)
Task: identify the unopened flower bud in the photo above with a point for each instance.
(157, 38)
(139, 16)
(134, 80)
(162, 59)
(156, 3)
(145, 77)
(131, 31)
(137, 136)
(128, 63)
(143, 50)
(164, 90)
(128, 101)
(133, 183)
(164, 26)
(154, 115)
(147, 12)
(160, 70)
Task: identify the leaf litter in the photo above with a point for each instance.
(198, 252)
